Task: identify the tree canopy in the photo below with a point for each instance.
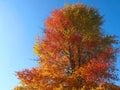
(74, 53)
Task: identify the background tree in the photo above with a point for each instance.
(74, 52)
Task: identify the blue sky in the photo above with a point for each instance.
(22, 20)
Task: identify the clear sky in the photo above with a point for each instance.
(22, 20)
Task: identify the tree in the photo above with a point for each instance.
(74, 52)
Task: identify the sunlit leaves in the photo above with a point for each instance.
(74, 52)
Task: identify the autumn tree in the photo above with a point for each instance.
(74, 53)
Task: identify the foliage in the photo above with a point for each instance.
(74, 52)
